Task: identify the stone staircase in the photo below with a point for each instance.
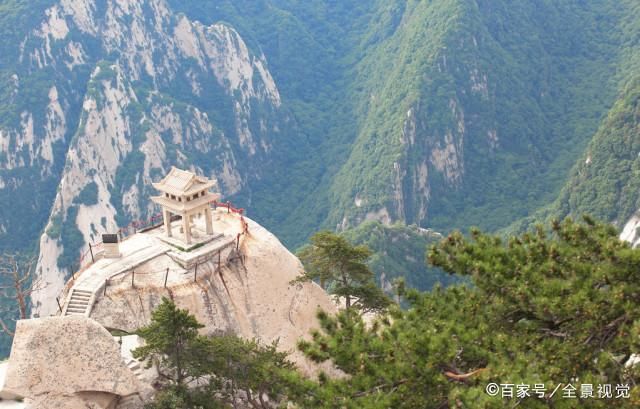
(79, 303)
(135, 367)
(91, 283)
(132, 401)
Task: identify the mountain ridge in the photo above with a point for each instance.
(311, 115)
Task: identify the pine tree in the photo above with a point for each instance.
(211, 372)
(548, 307)
(341, 269)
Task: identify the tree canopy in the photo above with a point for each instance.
(550, 318)
(341, 268)
(212, 372)
(559, 309)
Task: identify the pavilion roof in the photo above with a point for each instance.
(182, 182)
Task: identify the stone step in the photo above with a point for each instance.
(79, 301)
(77, 307)
(135, 367)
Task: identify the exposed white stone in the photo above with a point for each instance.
(44, 299)
(381, 215)
(446, 157)
(231, 178)
(630, 231)
(55, 25)
(81, 11)
(187, 41)
(492, 135)
(76, 53)
(55, 126)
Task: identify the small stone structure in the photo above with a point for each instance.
(187, 195)
(111, 246)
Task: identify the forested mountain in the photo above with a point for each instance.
(314, 114)
(399, 251)
(604, 181)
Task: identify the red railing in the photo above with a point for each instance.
(231, 209)
(227, 206)
(90, 254)
(94, 249)
(138, 225)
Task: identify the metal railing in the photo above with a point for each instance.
(95, 250)
(131, 274)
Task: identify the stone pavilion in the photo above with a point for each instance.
(186, 195)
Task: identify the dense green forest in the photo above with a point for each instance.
(604, 182)
(517, 89)
(398, 252)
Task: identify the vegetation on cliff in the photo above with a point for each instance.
(557, 309)
(341, 269)
(398, 253)
(212, 372)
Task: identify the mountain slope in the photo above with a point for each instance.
(606, 182)
(311, 114)
(445, 113)
(484, 110)
(399, 251)
(105, 97)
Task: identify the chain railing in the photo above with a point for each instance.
(95, 250)
(131, 274)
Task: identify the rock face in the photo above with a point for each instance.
(67, 362)
(135, 88)
(237, 279)
(631, 231)
(252, 297)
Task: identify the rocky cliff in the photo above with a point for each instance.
(129, 88)
(238, 280)
(445, 114)
(252, 296)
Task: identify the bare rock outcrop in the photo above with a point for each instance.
(67, 362)
(253, 297)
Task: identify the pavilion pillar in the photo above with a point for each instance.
(186, 226)
(207, 220)
(166, 216)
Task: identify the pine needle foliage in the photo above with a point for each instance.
(341, 268)
(556, 306)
